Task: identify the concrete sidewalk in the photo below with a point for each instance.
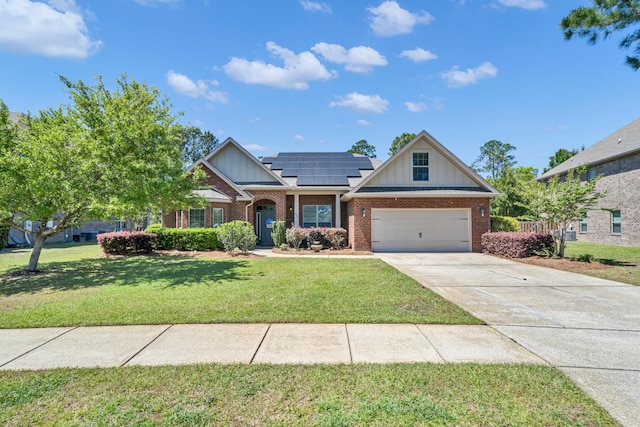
(153, 345)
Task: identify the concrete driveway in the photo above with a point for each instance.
(588, 328)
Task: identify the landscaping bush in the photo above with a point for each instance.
(279, 233)
(295, 235)
(186, 239)
(237, 235)
(336, 236)
(518, 245)
(127, 242)
(504, 223)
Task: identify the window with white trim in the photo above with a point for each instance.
(196, 218)
(616, 222)
(218, 217)
(420, 166)
(316, 216)
(179, 220)
(583, 222)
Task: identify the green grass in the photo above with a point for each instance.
(293, 395)
(78, 287)
(624, 260)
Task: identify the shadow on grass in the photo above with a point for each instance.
(616, 262)
(131, 271)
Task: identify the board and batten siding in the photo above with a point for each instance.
(442, 173)
(238, 167)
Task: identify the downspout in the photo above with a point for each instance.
(246, 209)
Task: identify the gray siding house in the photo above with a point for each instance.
(616, 220)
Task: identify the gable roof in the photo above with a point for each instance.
(482, 188)
(202, 162)
(319, 169)
(229, 142)
(621, 143)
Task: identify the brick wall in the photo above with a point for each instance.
(360, 227)
(620, 181)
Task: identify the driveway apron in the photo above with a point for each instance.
(587, 327)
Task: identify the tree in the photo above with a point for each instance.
(603, 18)
(562, 201)
(107, 154)
(515, 192)
(196, 144)
(561, 156)
(364, 148)
(400, 141)
(494, 158)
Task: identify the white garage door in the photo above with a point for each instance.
(421, 230)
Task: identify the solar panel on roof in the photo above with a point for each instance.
(322, 169)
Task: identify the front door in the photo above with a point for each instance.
(265, 217)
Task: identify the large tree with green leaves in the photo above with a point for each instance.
(515, 186)
(560, 156)
(604, 18)
(563, 200)
(195, 143)
(106, 154)
(495, 158)
(364, 148)
(400, 141)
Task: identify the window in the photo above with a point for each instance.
(218, 217)
(583, 222)
(616, 222)
(420, 166)
(591, 174)
(196, 218)
(316, 216)
(120, 225)
(179, 221)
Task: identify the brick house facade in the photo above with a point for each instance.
(441, 196)
(616, 159)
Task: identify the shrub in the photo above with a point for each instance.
(504, 223)
(295, 235)
(126, 242)
(237, 235)
(336, 236)
(518, 245)
(186, 239)
(279, 233)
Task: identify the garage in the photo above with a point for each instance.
(421, 230)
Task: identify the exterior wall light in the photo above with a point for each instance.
(364, 212)
(482, 211)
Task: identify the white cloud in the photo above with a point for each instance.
(418, 55)
(255, 120)
(257, 148)
(185, 86)
(456, 78)
(363, 122)
(362, 103)
(56, 29)
(312, 6)
(360, 59)
(389, 19)
(298, 137)
(524, 4)
(415, 107)
(297, 72)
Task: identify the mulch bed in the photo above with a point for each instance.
(330, 252)
(563, 263)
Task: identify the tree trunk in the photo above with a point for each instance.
(35, 253)
(561, 250)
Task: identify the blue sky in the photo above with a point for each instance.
(303, 75)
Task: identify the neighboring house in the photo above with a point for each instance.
(616, 158)
(421, 199)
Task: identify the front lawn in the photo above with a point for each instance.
(294, 395)
(613, 262)
(80, 287)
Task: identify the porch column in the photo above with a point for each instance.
(338, 214)
(296, 209)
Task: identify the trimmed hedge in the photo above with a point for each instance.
(186, 239)
(127, 242)
(504, 223)
(518, 245)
